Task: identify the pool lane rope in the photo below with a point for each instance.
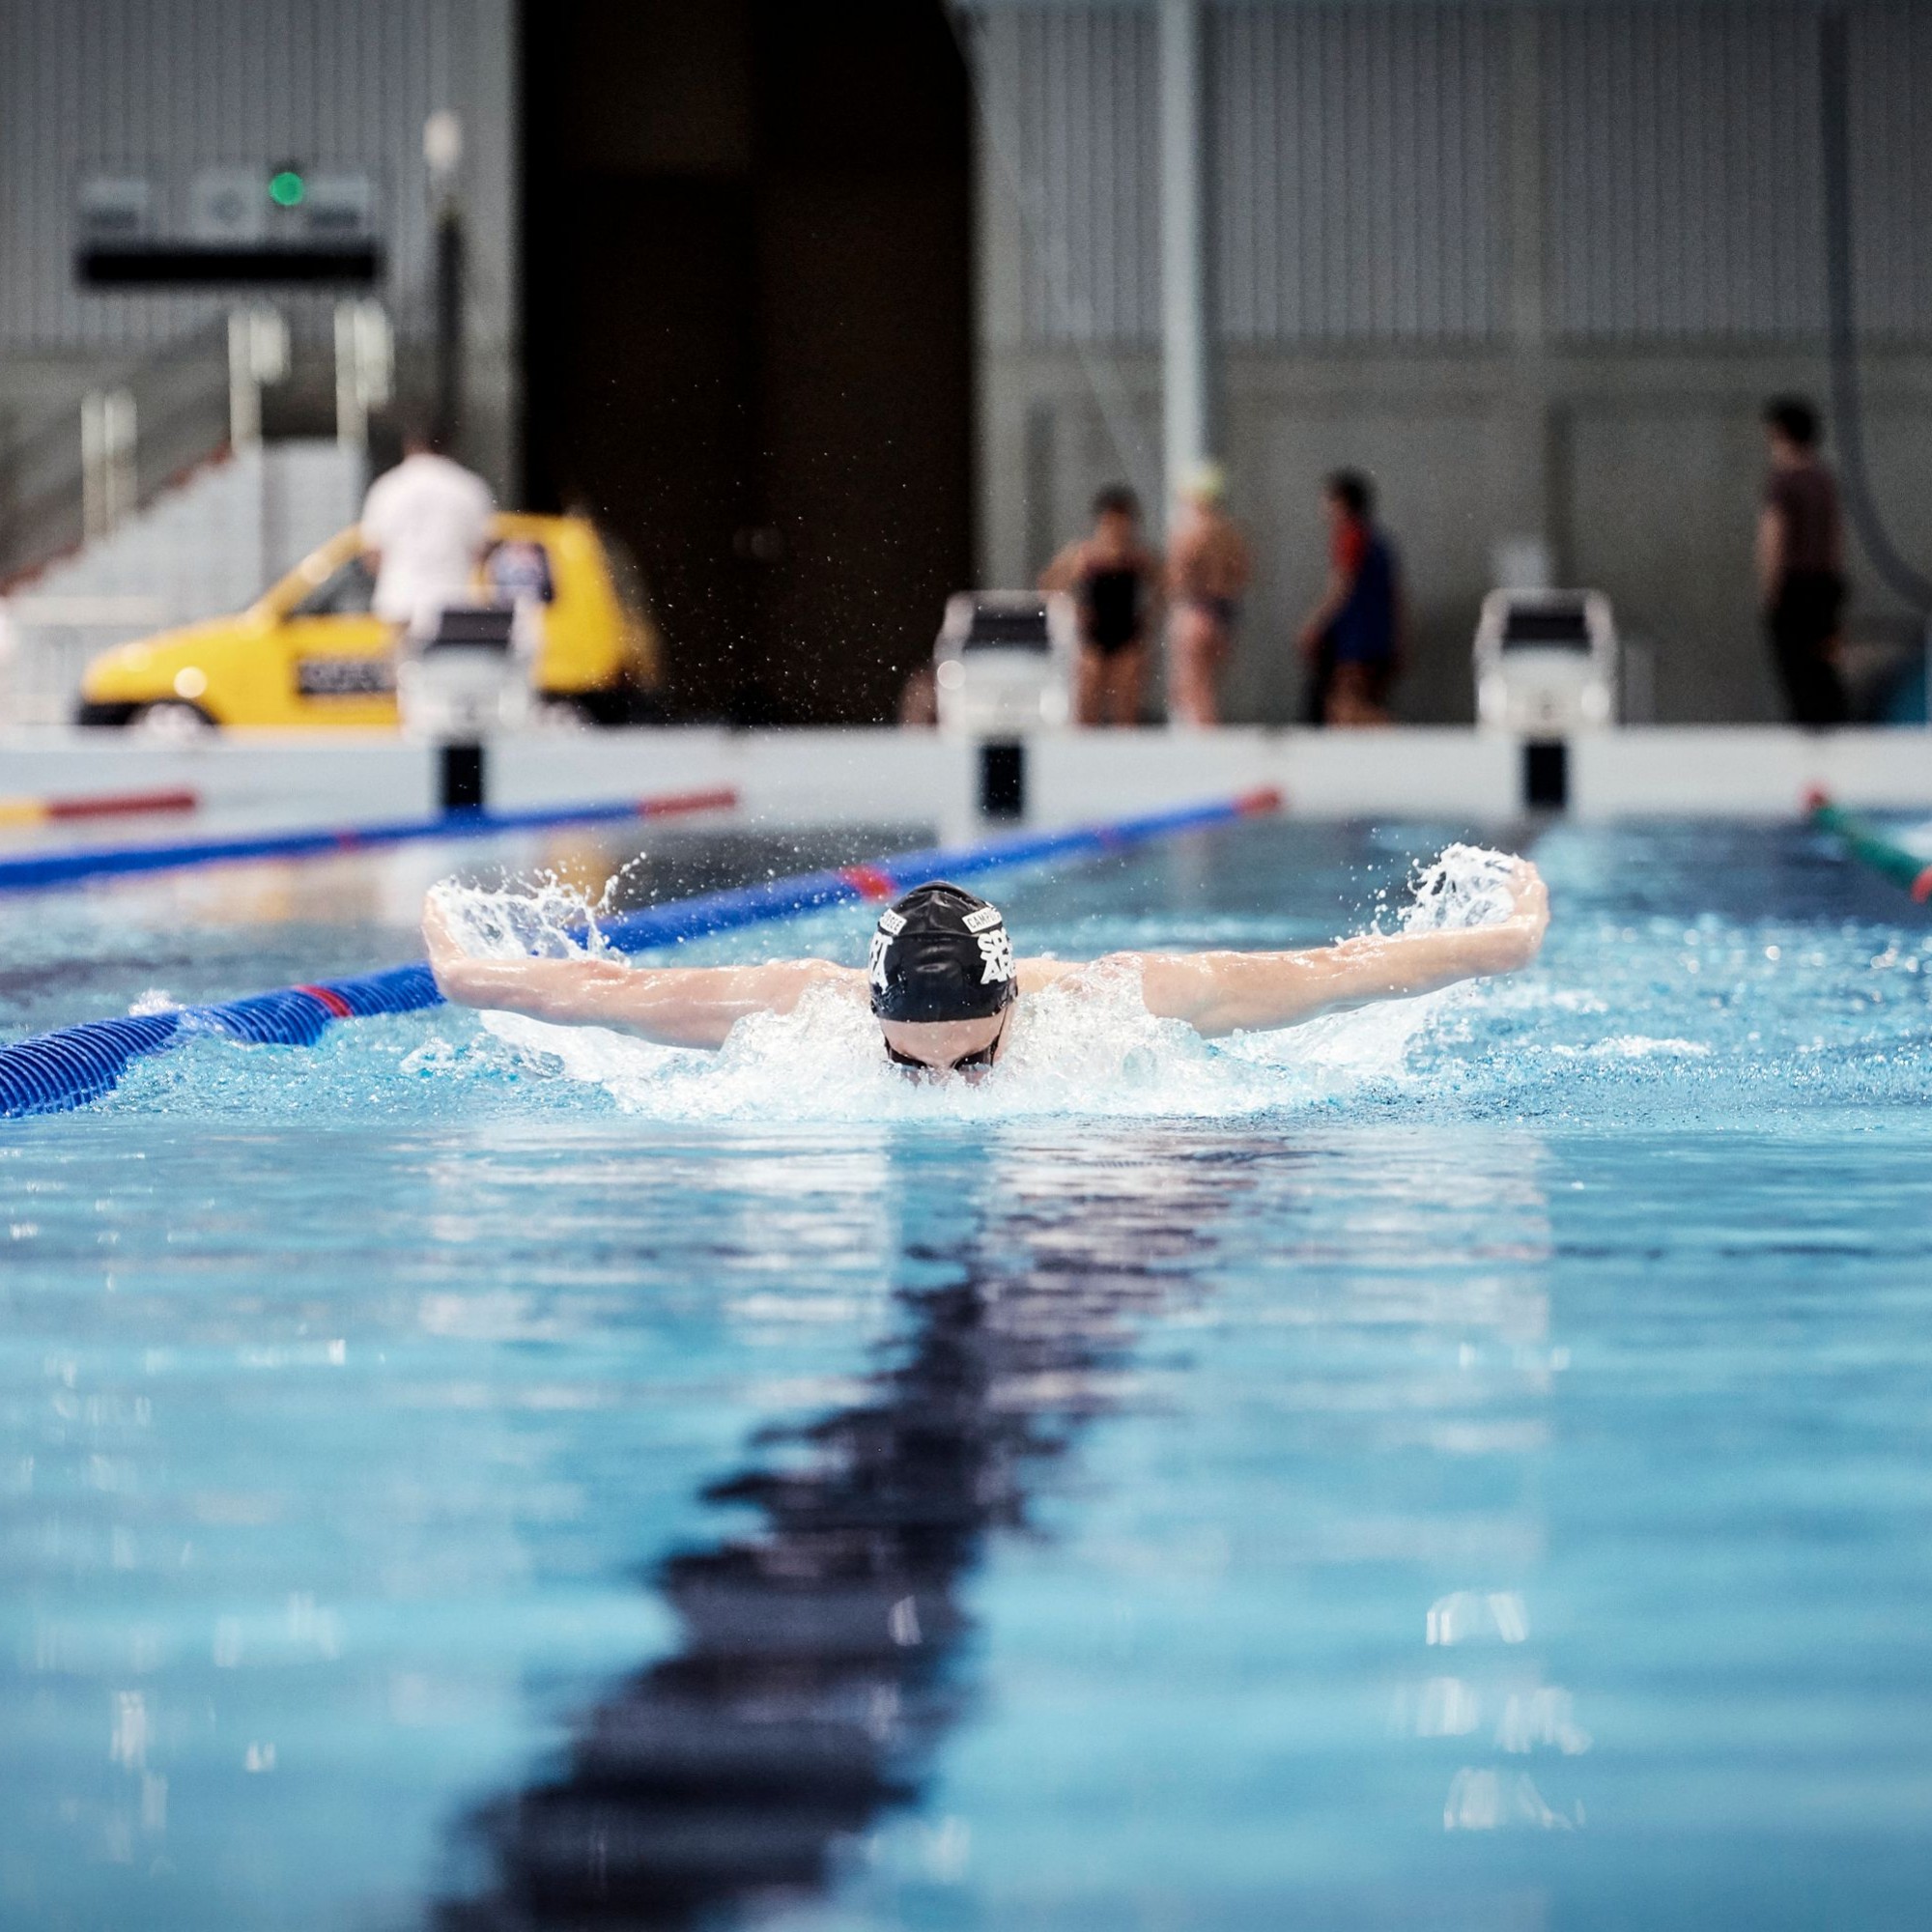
(1866, 844)
(57, 1072)
(96, 805)
(30, 871)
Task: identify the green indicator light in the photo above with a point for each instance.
(286, 188)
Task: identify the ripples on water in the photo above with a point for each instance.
(1461, 1465)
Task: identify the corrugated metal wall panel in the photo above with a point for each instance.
(1360, 172)
(1360, 156)
(168, 86)
(1071, 98)
(1358, 186)
(1892, 169)
(1682, 173)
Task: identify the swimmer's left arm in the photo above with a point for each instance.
(674, 1005)
(1219, 993)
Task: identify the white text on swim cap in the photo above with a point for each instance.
(875, 966)
(996, 949)
(982, 917)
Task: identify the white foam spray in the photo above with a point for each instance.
(1085, 1047)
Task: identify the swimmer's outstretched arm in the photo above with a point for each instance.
(1232, 992)
(675, 1005)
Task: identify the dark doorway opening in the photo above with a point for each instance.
(747, 330)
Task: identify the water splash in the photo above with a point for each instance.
(545, 916)
(1757, 1011)
(1085, 1047)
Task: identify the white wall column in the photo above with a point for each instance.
(1188, 417)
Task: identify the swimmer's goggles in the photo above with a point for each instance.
(976, 1061)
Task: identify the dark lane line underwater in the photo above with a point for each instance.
(824, 1657)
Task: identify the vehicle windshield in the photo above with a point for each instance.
(347, 591)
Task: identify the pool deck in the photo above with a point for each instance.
(832, 777)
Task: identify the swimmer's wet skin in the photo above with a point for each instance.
(943, 980)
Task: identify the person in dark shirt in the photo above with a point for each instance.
(1353, 637)
(1801, 566)
(1115, 579)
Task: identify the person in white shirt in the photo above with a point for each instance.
(425, 526)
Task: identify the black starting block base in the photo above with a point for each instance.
(1002, 778)
(1545, 773)
(462, 778)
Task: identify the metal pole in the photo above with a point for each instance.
(119, 430)
(94, 488)
(442, 154)
(244, 389)
(1190, 429)
(448, 322)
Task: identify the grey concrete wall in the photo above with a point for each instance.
(1644, 268)
(1642, 471)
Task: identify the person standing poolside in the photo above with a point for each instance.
(1208, 573)
(943, 982)
(1801, 566)
(1115, 579)
(425, 526)
(1353, 637)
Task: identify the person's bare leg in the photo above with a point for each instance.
(1350, 702)
(1215, 654)
(1087, 676)
(1188, 697)
(1121, 689)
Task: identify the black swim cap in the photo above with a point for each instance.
(941, 955)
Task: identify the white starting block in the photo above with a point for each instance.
(1005, 661)
(467, 680)
(1545, 663)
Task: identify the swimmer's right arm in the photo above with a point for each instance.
(1219, 993)
(674, 1005)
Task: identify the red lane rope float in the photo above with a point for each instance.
(338, 1008)
(59, 1071)
(28, 871)
(868, 881)
(103, 805)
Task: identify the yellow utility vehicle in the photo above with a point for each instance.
(310, 652)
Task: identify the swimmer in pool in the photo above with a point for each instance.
(943, 981)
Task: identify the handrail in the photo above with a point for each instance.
(43, 469)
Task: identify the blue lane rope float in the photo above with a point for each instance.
(28, 871)
(57, 1072)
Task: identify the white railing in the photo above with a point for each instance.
(46, 644)
(109, 484)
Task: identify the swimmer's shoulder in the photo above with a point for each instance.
(812, 973)
(1037, 975)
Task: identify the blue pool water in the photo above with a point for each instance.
(1461, 1465)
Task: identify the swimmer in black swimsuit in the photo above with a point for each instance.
(1114, 579)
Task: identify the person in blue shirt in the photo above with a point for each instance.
(1352, 639)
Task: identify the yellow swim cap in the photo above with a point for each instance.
(1205, 483)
